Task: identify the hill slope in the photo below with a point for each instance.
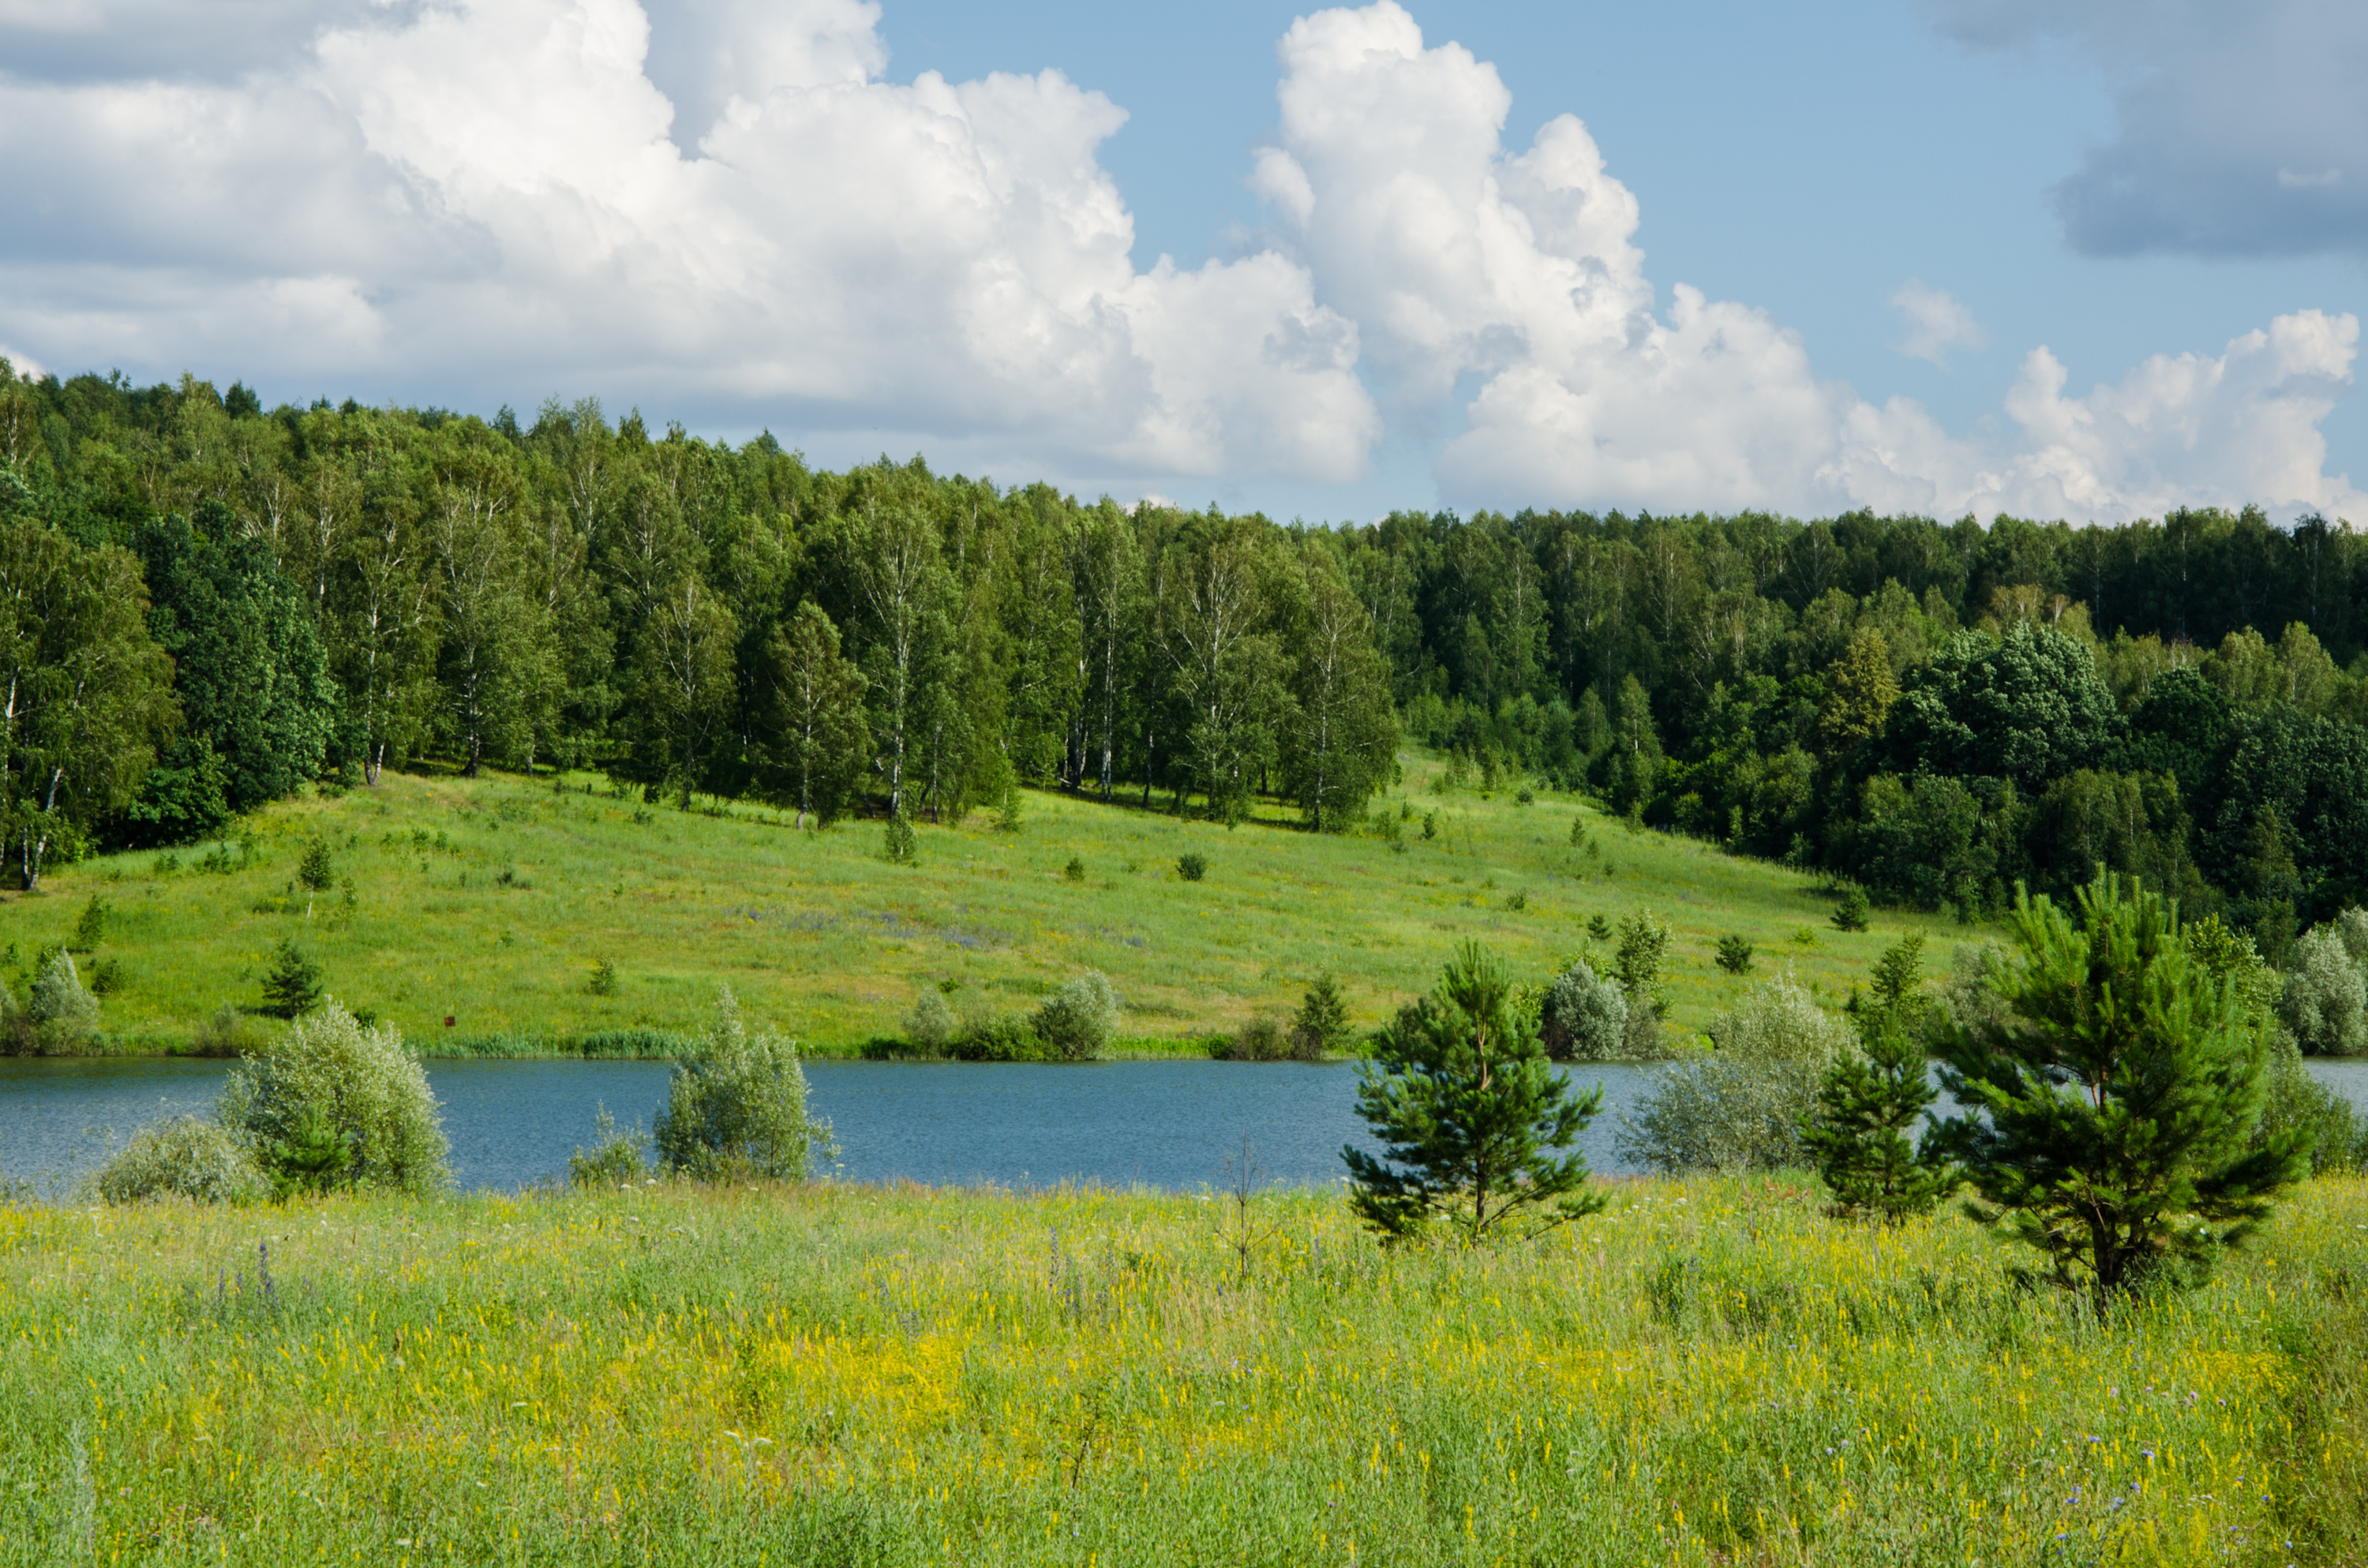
(489, 901)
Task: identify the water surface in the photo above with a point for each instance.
(1168, 1124)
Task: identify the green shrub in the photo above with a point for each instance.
(930, 1024)
(292, 987)
(603, 979)
(987, 1038)
(2296, 1102)
(90, 929)
(1074, 871)
(1583, 1017)
(737, 1108)
(314, 1157)
(357, 1084)
(1320, 1028)
(1078, 1020)
(1734, 954)
(1259, 1040)
(194, 1157)
(314, 870)
(902, 846)
(1742, 1106)
(1191, 868)
(1599, 928)
(64, 1017)
(1852, 912)
(615, 1159)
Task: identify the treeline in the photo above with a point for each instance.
(1934, 712)
(209, 603)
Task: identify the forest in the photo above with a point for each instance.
(206, 604)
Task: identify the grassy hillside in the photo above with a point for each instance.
(489, 901)
(1709, 1372)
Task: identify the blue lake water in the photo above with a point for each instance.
(1169, 1124)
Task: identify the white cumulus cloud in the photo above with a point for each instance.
(496, 187)
(1937, 322)
(726, 210)
(1465, 263)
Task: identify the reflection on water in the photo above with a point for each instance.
(1171, 1124)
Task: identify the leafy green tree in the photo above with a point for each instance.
(1583, 1017)
(1860, 690)
(819, 739)
(2112, 1096)
(89, 693)
(1076, 1021)
(686, 681)
(248, 668)
(2028, 706)
(1341, 734)
(899, 577)
(1227, 669)
(1472, 1119)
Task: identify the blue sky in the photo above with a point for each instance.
(868, 257)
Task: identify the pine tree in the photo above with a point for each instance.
(294, 986)
(2113, 1098)
(1471, 1117)
(1869, 1102)
(1321, 1027)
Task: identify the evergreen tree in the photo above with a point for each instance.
(1320, 1029)
(1870, 1101)
(1472, 1119)
(2112, 1096)
(292, 986)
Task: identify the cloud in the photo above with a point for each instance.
(497, 188)
(724, 208)
(1937, 322)
(1515, 273)
(2240, 130)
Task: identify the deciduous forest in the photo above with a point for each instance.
(205, 604)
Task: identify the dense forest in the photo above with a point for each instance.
(208, 603)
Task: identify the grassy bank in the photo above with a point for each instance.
(488, 902)
(1709, 1372)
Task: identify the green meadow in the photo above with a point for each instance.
(490, 901)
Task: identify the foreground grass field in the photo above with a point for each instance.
(488, 902)
(1711, 1372)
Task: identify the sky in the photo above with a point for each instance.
(2093, 260)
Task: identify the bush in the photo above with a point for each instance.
(194, 1157)
(1852, 912)
(615, 1159)
(90, 929)
(986, 1038)
(1259, 1040)
(603, 979)
(1320, 1028)
(228, 1032)
(314, 870)
(1583, 1017)
(1078, 1020)
(359, 1085)
(1734, 954)
(1741, 1108)
(1074, 871)
(1191, 868)
(930, 1024)
(2296, 1102)
(64, 1017)
(2326, 999)
(737, 1110)
(902, 848)
(292, 988)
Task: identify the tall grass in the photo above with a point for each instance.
(1709, 1372)
(492, 902)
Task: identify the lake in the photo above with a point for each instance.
(1167, 1124)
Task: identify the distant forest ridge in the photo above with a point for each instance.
(211, 603)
